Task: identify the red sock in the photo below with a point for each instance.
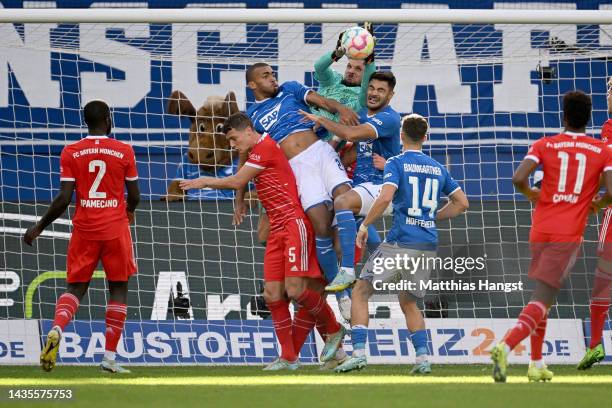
(115, 320)
(528, 320)
(303, 323)
(282, 327)
(319, 309)
(600, 303)
(599, 310)
(66, 307)
(537, 340)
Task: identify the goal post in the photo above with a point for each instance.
(488, 81)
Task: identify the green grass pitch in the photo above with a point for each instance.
(468, 386)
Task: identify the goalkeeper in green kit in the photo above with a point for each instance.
(350, 90)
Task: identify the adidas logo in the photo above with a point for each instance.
(294, 268)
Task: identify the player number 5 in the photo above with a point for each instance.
(291, 254)
(93, 191)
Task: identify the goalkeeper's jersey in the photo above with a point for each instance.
(332, 87)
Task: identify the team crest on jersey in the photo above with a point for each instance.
(271, 117)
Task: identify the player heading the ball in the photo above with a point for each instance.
(290, 264)
(99, 168)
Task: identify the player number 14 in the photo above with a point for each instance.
(429, 196)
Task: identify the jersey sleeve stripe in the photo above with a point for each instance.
(391, 183)
(67, 179)
(131, 178)
(251, 164)
(454, 191)
(532, 157)
(306, 96)
(373, 127)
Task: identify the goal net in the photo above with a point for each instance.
(488, 89)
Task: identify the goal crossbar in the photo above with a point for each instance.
(289, 15)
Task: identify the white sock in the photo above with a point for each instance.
(421, 359)
(109, 355)
(538, 363)
(359, 353)
(59, 329)
(340, 354)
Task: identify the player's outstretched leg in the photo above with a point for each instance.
(65, 308)
(116, 312)
(537, 370)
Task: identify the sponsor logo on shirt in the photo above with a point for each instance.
(271, 117)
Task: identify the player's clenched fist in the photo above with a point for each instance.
(31, 234)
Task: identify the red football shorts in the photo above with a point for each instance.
(290, 252)
(604, 249)
(552, 256)
(116, 254)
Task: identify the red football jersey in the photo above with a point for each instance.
(276, 187)
(572, 164)
(99, 167)
(606, 131)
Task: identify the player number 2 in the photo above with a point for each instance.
(429, 196)
(93, 191)
(564, 157)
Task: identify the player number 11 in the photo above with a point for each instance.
(564, 157)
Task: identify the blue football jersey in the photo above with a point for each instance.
(387, 125)
(279, 116)
(420, 182)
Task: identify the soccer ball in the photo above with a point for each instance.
(358, 43)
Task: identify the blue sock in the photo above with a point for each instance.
(327, 258)
(419, 341)
(347, 232)
(359, 336)
(373, 239)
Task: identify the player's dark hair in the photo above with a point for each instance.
(386, 76)
(237, 121)
(249, 71)
(96, 114)
(414, 127)
(577, 109)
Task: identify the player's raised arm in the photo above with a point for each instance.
(350, 133)
(346, 115)
(235, 182)
(56, 208)
(242, 137)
